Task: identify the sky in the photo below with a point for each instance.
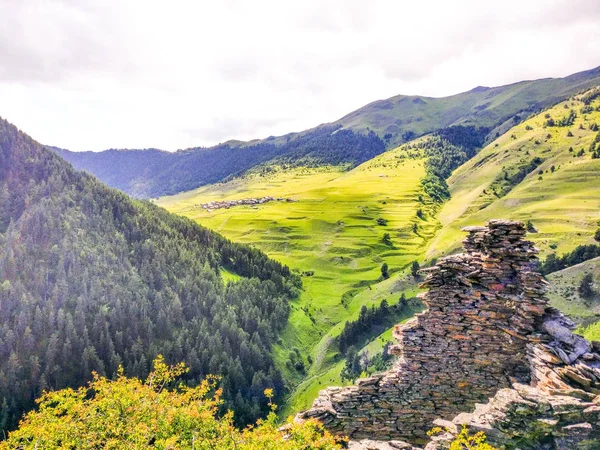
(99, 74)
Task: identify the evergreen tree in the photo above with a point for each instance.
(384, 271)
(90, 280)
(414, 269)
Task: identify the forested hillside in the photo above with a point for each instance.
(90, 280)
(153, 173)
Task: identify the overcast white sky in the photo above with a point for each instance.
(98, 74)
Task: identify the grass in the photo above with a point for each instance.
(308, 390)
(563, 294)
(329, 228)
(228, 276)
(563, 291)
(564, 205)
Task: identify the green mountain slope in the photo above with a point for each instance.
(331, 231)
(152, 173)
(403, 117)
(563, 292)
(90, 280)
(545, 174)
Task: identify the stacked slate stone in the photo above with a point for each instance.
(483, 309)
(563, 361)
(525, 417)
(559, 409)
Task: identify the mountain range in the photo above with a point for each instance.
(152, 173)
(285, 244)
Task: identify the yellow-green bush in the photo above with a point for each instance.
(128, 413)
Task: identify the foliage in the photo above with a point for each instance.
(466, 441)
(435, 187)
(381, 361)
(580, 254)
(511, 177)
(446, 150)
(385, 274)
(590, 96)
(91, 280)
(127, 413)
(353, 366)
(369, 321)
(386, 239)
(586, 287)
(569, 120)
(414, 269)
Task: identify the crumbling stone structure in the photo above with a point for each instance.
(482, 328)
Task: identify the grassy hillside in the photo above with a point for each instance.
(151, 173)
(545, 174)
(564, 295)
(330, 233)
(403, 117)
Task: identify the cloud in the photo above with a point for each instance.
(89, 75)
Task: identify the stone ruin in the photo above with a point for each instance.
(487, 343)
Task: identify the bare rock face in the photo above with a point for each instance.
(487, 353)
(559, 409)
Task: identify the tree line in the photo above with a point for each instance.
(369, 321)
(580, 254)
(152, 173)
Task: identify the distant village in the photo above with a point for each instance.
(244, 201)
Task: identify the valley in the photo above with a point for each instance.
(305, 255)
(300, 225)
(331, 231)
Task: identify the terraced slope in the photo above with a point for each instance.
(329, 231)
(545, 174)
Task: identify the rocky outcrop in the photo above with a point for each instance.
(559, 409)
(459, 352)
(487, 333)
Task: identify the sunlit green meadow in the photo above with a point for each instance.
(563, 205)
(328, 227)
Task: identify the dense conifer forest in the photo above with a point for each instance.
(90, 280)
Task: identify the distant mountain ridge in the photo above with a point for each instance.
(351, 140)
(403, 116)
(153, 173)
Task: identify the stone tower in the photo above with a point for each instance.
(484, 307)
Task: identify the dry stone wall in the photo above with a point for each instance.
(484, 307)
(558, 410)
